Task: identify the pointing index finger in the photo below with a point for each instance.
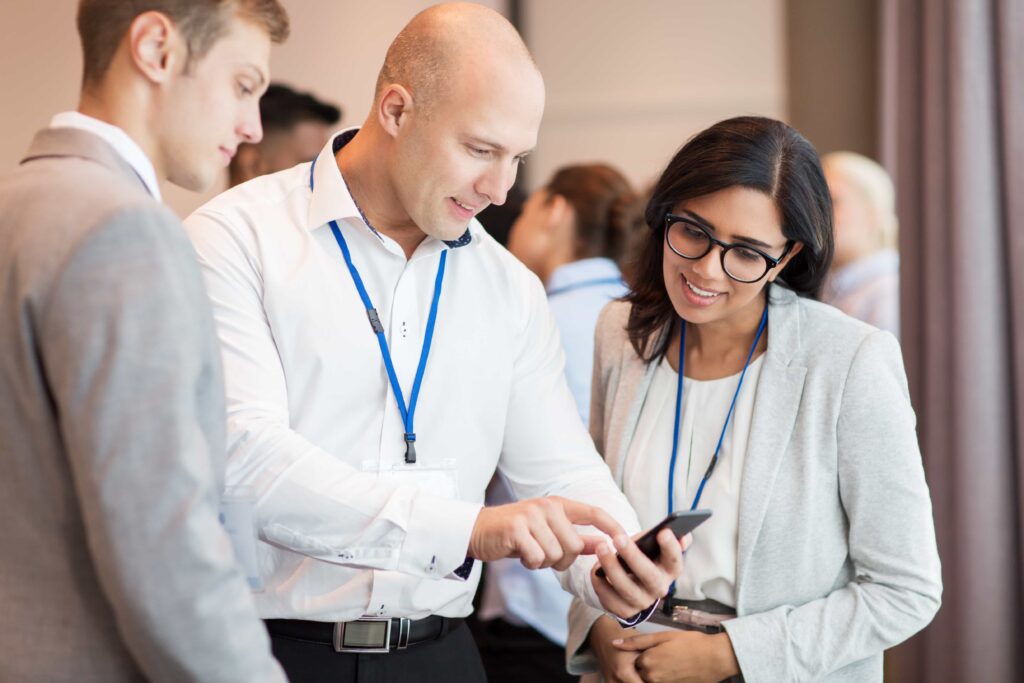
(581, 513)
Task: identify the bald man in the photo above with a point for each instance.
(384, 356)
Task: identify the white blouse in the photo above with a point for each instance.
(709, 569)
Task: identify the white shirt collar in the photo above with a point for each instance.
(332, 200)
(116, 138)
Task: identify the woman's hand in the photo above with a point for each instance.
(681, 656)
(627, 593)
(617, 665)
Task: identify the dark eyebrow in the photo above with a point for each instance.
(739, 238)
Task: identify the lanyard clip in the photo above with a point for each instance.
(410, 448)
(371, 313)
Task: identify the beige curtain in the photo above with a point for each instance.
(953, 136)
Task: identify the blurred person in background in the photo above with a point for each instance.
(864, 281)
(571, 233)
(296, 126)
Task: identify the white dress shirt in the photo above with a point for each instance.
(710, 567)
(313, 426)
(116, 138)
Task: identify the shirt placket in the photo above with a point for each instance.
(404, 334)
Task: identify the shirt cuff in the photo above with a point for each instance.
(437, 536)
(463, 571)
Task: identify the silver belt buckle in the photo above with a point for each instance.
(369, 635)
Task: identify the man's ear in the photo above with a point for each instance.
(155, 46)
(394, 107)
(559, 210)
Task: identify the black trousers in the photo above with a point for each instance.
(453, 658)
(512, 654)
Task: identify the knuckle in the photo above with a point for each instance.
(552, 508)
(535, 512)
(575, 545)
(521, 526)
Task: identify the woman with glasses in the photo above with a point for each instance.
(719, 383)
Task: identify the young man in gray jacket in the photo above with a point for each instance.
(113, 563)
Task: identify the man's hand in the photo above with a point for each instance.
(539, 531)
(681, 656)
(617, 665)
(625, 594)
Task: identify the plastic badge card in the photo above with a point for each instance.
(441, 479)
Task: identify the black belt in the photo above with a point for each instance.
(367, 634)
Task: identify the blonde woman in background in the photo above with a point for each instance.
(864, 281)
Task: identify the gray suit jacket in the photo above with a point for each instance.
(113, 566)
(836, 556)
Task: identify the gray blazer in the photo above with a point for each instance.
(113, 566)
(836, 556)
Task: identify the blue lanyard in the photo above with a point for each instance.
(378, 329)
(679, 407)
(586, 283)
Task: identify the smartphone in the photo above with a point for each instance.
(680, 522)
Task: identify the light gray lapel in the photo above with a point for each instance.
(775, 410)
(73, 142)
(633, 385)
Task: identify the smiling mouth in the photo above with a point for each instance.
(702, 293)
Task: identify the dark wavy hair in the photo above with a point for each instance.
(753, 152)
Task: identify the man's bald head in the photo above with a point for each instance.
(442, 40)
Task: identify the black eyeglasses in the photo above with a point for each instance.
(691, 240)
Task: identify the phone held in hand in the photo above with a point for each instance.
(680, 522)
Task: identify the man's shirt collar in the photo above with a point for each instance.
(331, 198)
(119, 140)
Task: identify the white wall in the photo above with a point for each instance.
(40, 68)
(627, 82)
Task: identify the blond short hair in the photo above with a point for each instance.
(875, 187)
(103, 23)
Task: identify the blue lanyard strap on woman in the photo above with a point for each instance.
(407, 413)
(679, 408)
